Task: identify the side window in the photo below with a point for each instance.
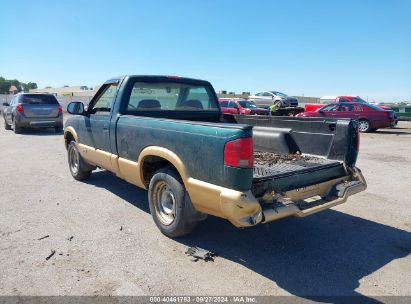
(331, 108)
(342, 100)
(267, 94)
(357, 108)
(346, 107)
(224, 104)
(105, 101)
(232, 104)
(259, 94)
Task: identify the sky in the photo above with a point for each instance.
(310, 48)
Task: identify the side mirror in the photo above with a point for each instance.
(6, 104)
(76, 108)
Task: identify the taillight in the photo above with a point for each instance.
(19, 108)
(60, 109)
(239, 153)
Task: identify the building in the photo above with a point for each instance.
(68, 91)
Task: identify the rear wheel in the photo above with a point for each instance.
(364, 126)
(170, 204)
(6, 125)
(79, 169)
(16, 128)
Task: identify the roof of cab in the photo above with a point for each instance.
(158, 77)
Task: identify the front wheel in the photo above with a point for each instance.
(169, 204)
(79, 169)
(364, 126)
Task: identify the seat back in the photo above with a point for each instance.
(149, 104)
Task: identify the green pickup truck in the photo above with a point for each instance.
(168, 135)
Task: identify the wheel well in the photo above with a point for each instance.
(151, 164)
(68, 138)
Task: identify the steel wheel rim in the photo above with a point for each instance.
(164, 203)
(363, 125)
(74, 161)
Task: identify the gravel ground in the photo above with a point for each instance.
(360, 248)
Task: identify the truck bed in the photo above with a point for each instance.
(271, 165)
(291, 153)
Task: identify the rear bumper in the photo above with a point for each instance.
(337, 194)
(242, 209)
(39, 122)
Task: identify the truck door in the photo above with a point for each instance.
(98, 125)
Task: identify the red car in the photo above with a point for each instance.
(370, 117)
(242, 106)
(310, 107)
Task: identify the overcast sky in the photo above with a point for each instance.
(311, 47)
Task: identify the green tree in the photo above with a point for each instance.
(5, 85)
(29, 86)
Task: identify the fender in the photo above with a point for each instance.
(73, 132)
(167, 155)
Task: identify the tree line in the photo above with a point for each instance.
(5, 85)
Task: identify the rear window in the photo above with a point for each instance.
(38, 99)
(171, 96)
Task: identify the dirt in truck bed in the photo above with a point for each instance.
(270, 159)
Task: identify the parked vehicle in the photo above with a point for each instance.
(241, 106)
(370, 117)
(28, 110)
(310, 107)
(267, 98)
(168, 135)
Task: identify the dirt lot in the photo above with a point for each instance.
(360, 248)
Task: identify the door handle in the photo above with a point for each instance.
(105, 127)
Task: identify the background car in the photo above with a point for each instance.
(267, 98)
(242, 106)
(309, 107)
(370, 117)
(33, 111)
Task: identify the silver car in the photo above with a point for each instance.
(268, 98)
(28, 110)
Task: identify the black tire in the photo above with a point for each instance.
(79, 169)
(16, 128)
(6, 125)
(58, 129)
(364, 126)
(172, 214)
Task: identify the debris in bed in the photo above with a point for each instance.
(269, 159)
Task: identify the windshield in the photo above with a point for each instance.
(279, 94)
(247, 104)
(358, 99)
(171, 96)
